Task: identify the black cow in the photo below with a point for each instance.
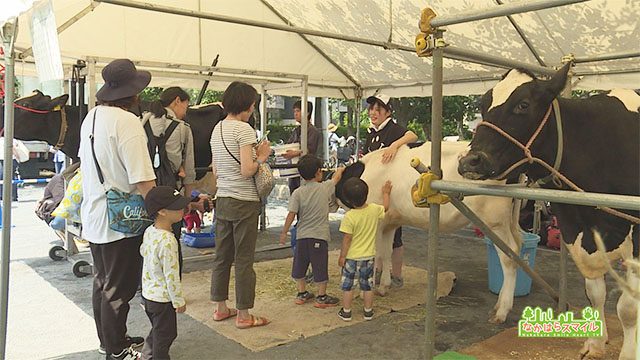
(38, 117)
(601, 153)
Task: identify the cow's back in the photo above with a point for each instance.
(493, 210)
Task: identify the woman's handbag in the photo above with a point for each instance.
(263, 178)
(126, 211)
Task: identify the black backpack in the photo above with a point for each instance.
(158, 152)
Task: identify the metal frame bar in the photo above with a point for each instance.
(523, 37)
(453, 52)
(434, 211)
(261, 24)
(314, 46)
(9, 33)
(304, 123)
(606, 57)
(563, 196)
(497, 11)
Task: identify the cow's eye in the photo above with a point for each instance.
(522, 107)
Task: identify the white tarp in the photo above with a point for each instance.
(586, 29)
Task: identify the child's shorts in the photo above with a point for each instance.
(364, 268)
(314, 252)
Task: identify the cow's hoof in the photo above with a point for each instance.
(592, 349)
(497, 319)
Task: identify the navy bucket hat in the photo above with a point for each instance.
(122, 80)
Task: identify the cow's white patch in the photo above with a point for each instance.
(506, 86)
(629, 98)
(593, 265)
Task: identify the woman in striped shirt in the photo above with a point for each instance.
(236, 158)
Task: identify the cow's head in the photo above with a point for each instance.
(29, 115)
(354, 170)
(517, 105)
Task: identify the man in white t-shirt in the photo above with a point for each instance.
(113, 138)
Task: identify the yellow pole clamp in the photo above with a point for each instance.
(423, 195)
(423, 42)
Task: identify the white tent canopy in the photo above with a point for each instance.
(334, 67)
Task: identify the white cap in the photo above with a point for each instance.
(382, 97)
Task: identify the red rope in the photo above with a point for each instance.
(30, 109)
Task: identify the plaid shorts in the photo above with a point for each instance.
(364, 268)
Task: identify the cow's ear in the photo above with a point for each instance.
(58, 102)
(555, 85)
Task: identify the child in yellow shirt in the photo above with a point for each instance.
(360, 226)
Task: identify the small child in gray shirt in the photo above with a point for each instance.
(311, 202)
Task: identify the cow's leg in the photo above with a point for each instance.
(383, 258)
(627, 312)
(597, 294)
(509, 270)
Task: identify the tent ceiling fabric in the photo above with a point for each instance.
(586, 29)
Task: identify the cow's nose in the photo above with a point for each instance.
(472, 162)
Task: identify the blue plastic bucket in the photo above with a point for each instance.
(527, 253)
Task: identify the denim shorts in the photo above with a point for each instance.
(364, 268)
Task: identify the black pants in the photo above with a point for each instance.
(117, 270)
(164, 329)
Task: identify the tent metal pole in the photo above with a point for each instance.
(9, 34)
(263, 127)
(453, 52)
(501, 10)
(314, 46)
(434, 210)
(91, 80)
(564, 253)
(560, 196)
(92, 5)
(523, 37)
(614, 56)
(304, 123)
(261, 24)
(357, 111)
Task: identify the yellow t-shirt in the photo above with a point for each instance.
(362, 224)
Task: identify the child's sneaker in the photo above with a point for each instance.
(346, 316)
(326, 301)
(368, 315)
(303, 297)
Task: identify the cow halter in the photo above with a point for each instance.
(555, 176)
(63, 121)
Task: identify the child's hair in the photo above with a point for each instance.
(356, 191)
(308, 166)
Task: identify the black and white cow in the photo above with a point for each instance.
(38, 117)
(498, 213)
(601, 153)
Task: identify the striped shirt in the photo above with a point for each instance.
(230, 181)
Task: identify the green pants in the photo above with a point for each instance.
(236, 235)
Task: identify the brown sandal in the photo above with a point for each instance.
(217, 316)
(253, 321)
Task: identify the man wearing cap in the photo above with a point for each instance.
(385, 133)
(313, 139)
(113, 150)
